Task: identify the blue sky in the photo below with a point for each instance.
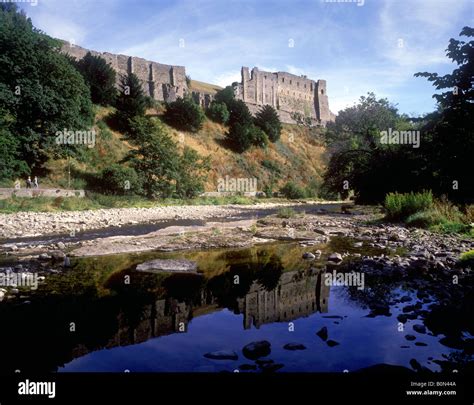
(373, 45)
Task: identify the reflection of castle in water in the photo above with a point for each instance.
(295, 296)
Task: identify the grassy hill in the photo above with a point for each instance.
(297, 156)
(204, 87)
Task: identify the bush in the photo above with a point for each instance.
(292, 191)
(424, 219)
(401, 206)
(272, 166)
(268, 121)
(184, 114)
(286, 212)
(241, 136)
(468, 258)
(218, 112)
(119, 180)
(225, 96)
(259, 138)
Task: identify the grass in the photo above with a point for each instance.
(399, 206)
(421, 210)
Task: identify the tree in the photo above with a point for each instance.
(218, 112)
(450, 131)
(267, 119)
(192, 173)
(184, 114)
(359, 162)
(100, 77)
(239, 113)
(131, 101)
(225, 96)
(40, 90)
(162, 170)
(119, 180)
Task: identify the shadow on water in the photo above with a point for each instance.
(102, 315)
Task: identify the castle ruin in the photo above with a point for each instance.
(160, 82)
(289, 94)
(292, 96)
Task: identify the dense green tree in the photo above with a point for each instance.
(163, 171)
(100, 77)
(40, 90)
(192, 174)
(450, 131)
(119, 180)
(225, 96)
(131, 101)
(218, 112)
(268, 120)
(184, 114)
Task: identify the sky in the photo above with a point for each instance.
(357, 46)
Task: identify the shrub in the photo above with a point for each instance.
(468, 258)
(119, 180)
(259, 138)
(268, 121)
(292, 190)
(272, 166)
(239, 113)
(241, 136)
(225, 96)
(184, 114)
(286, 212)
(424, 219)
(401, 206)
(218, 112)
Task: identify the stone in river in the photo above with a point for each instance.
(258, 349)
(323, 333)
(222, 355)
(294, 346)
(168, 266)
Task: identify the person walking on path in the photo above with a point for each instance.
(36, 182)
(29, 184)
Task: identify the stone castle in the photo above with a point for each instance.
(292, 96)
(289, 94)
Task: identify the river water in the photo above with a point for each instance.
(104, 316)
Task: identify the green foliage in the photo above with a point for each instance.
(468, 258)
(184, 114)
(272, 166)
(259, 138)
(292, 191)
(162, 170)
(100, 77)
(286, 212)
(241, 136)
(218, 112)
(239, 113)
(401, 206)
(11, 165)
(192, 174)
(131, 101)
(267, 119)
(40, 90)
(119, 180)
(225, 96)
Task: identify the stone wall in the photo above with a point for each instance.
(160, 82)
(287, 93)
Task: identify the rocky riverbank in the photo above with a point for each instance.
(30, 224)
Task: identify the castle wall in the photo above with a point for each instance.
(287, 93)
(159, 81)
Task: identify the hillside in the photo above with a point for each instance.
(298, 156)
(204, 87)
